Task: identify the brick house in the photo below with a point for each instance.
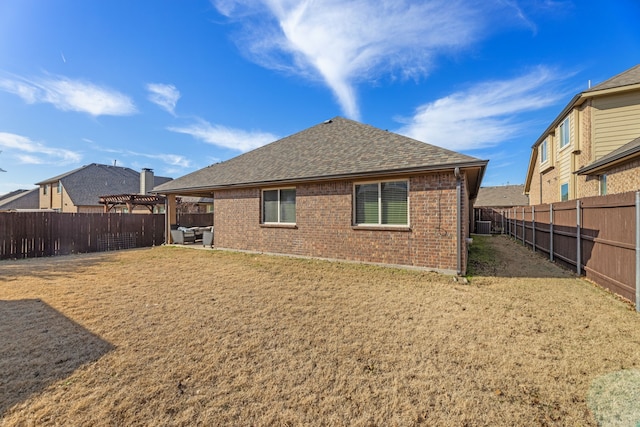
(592, 146)
(342, 190)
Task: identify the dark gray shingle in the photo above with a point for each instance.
(626, 78)
(501, 196)
(85, 185)
(337, 147)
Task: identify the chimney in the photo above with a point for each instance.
(146, 181)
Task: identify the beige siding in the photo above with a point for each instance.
(564, 157)
(616, 121)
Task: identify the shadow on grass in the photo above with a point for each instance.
(51, 267)
(500, 256)
(39, 347)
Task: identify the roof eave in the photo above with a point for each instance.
(360, 175)
(620, 158)
(612, 90)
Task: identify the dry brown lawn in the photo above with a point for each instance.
(175, 336)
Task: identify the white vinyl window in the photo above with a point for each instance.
(564, 133)
(382, 203)
(279, 206)
(544, 154)
(602, 180)
(564, 192)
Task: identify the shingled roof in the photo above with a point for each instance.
(627, 151)
(20, 199)
(85, 185)
(626, 78)
(502, 196)
(336, 148)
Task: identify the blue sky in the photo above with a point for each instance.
(178, 85)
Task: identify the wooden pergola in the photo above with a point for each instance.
(131, 201)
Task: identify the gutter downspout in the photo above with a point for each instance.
(456, 172)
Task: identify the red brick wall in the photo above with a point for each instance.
(324, 225)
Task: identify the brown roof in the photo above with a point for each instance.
(626, 78)
(501, 197)
(335, 148)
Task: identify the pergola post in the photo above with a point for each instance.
(170, 215)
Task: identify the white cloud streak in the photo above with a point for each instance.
(222, 136)
(343, 43)
(70, 95)
(28, 151)
(485, 114)
(164, 95)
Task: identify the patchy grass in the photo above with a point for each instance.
(482, 258)
(171, 336)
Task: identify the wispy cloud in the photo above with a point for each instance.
(486, 114)
(164, 95)
(344, 43)
(222, 136)
(169, 159)
(28, 151)
(70, 95)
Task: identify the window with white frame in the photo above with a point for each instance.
(544, 154)
(279, 206)
(564, 133)
(564, 192)
(381, 203)
(602, 180)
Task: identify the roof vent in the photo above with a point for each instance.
(326, 122)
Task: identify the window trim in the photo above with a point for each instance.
(544, 152)
(602, 182)
(379, 225)
(278, 223)
(565, 123)
(568, 196)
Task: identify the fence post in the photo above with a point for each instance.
(578, 242)
(551, 231)
(533, 225)
(638, 251)
(524, 230)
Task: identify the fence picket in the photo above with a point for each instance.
(38, 234)
(596, 236)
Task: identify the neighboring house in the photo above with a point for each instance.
(19, 199)
(592, 146)
(193, 205)
(79, 190)
(342, 190)
(492, 202)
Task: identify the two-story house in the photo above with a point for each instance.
(80, 190)
(592, 147)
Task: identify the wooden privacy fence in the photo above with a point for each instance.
(38, 234)
(597, 236)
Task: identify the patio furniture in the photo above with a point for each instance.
(207, 237)
(183, 235)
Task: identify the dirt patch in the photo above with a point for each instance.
(205, 337)
(501, 257)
